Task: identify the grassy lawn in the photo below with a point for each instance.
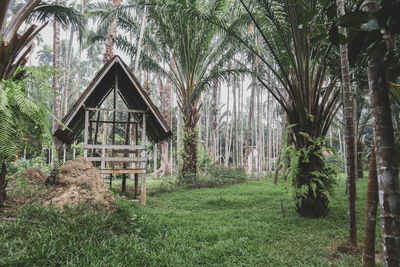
(238, 225)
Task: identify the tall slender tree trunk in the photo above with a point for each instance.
(178, 137)
(207, 141)
(56, 86)
(270, 136)
(165, 94)
(111, 33)
(155, 158)
(230, 145)
(235, 135)
(219, 143)
(350, 135)
(250, 121)
(83, 4)
(68, 72)
(268, 167)
(140, 40)
(370, 213)
(264, 146)
(171, 143)
(386, 161)
(200, 123)
(3, 182)
(259, 132)
(215, 106)
(241, 124)
(227, 129)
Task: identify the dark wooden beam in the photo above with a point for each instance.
(126, 155)
(96, 132)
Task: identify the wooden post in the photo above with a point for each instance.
(155, 158)
(114, 115)
(136, 174)
(115, 106)
(96, 133)
(143, 155)
(90, 141)
(126, 155)
(85, 137)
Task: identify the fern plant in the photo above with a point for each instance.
(23, 115)
(312, 179)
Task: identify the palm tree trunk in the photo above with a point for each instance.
(215, 122)
(178, 137)
(83, 4)
(165, 94)
(350, 135)
(259, 132)
(264, 147)
(155, 157)
(111, 33)
(3, 182)
(250, 121)
(68, 73)
(387, 169)
(277, 171)
(207, 143)
(56, 86)
(171, 148)
(140, 40)
(235, 135)
(230, 145)
(227, 130)
(219, 143)
(270, 111)
(241, 124)
(370, 213)
(189, 155)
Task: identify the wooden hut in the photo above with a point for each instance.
(130, 113)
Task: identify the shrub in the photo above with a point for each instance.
(17, 180)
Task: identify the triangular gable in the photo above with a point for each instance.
(132, 94)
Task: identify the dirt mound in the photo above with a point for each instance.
(35, 176)
(78, 182)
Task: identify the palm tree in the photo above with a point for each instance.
(197, 58)
(14, 50)
(379, 73)
(370, 212)
(56, 79)
(292, 49)
(45, 56)
(187, 52)
(112, 32)
(350, 131)
(14, 45)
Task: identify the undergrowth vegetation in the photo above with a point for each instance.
(237, 225)
(214, 176)
(82, 236)
(313, 179)
(18, 171)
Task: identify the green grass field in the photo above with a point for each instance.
(238, 225)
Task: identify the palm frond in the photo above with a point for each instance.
(66, 16)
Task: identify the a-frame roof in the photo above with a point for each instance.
(130, 91)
